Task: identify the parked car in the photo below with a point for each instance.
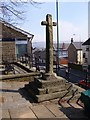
(85, 84)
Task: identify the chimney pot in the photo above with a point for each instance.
(71, 40)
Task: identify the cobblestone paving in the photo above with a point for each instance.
(15, 103)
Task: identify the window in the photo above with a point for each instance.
(84, 55)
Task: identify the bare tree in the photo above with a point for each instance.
(10, 10)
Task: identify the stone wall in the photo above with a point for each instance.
(8, 34)
(72, 54)
(8, 51)
(8, 44)
(20, 77)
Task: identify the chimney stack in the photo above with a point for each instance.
(71, 40)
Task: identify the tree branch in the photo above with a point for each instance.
(11, 9)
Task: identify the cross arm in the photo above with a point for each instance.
(54, 23)
(44, 23)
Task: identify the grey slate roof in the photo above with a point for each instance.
(87, 42)
(78, 45)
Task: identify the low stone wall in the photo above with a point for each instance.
(75, 66)
(20, 77)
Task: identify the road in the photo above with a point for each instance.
(74, 75)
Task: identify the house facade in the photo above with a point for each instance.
(87, 55)
(75, 52)
(14, 42)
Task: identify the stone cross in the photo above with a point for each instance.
(49, 42)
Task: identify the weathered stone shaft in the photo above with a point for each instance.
(49, 43)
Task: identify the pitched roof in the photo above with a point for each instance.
(62, 45)
(77, 45)
(17, 29)
(87, 42)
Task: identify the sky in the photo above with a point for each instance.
(73, 20)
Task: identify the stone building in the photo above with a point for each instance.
(13, 40)
(75, 52)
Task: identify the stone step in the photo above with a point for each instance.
(49, 83)
(71, 90)
(65, 99)
(43, 97)
(76, 97)
(36, 90)
(68, 85)
(40, 98)
(40, 91)
(59, 88)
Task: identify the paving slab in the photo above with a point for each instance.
(6, 85)
(1, 99)
(74, 113)
(55, 109)
(5, 113)
(8, 99)
(65, 104)
(76, 105)
(23, 112)
(17, 97)
(16, 104)
(42, 112)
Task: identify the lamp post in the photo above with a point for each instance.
(57, 58)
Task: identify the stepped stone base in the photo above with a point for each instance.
(48, 88)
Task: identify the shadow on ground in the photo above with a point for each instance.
(26, 95)
(74, 113)
(5, 90)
